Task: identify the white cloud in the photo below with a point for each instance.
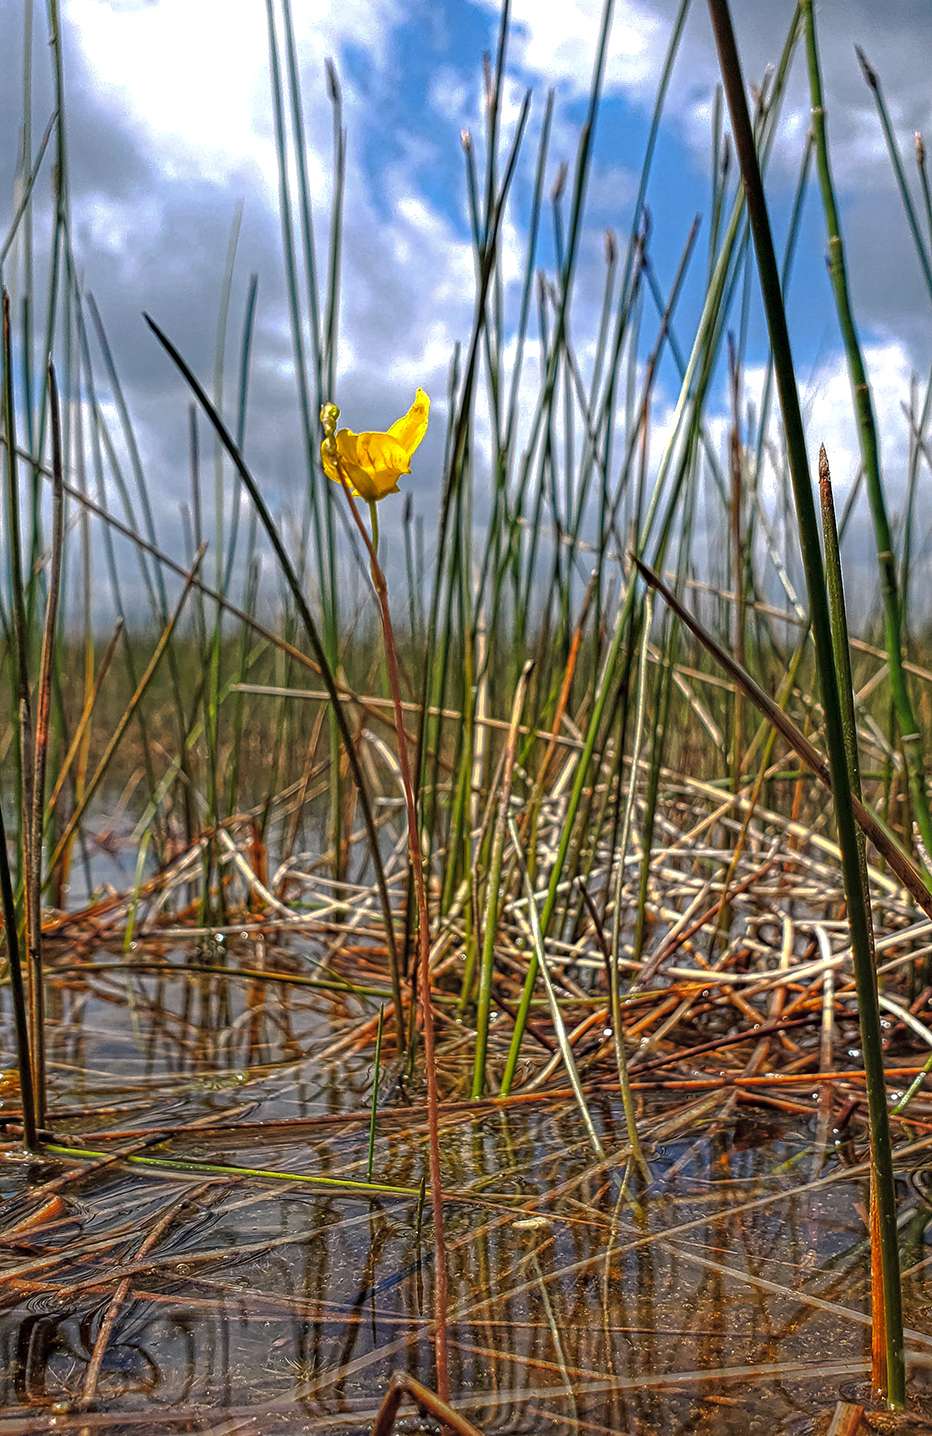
(611, 189)
(558, 39)
(196, 90)
(108, 226)
(828, 410)
(201, 107)
(449, 93)
(195, 77)
(829, 419)
(555, 41)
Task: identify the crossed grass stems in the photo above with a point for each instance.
(577, 723)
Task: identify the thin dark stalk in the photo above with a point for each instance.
(23, 721)
(18, 995)
(808, 530)
(40, 756)
(836, 599)
(621, 853)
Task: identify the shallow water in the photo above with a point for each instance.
(728, 1296)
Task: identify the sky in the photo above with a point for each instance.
(171, 137)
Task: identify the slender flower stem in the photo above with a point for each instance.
(416, 863)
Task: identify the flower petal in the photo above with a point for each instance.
(371, 463)
(383, 460)
(410, 429)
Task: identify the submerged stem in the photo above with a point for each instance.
(416, 869)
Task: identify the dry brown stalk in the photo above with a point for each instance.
(402, 1385)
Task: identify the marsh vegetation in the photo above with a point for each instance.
(477, 975)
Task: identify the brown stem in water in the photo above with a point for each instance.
(416, 863)
(402, 1385)
(118, 1299)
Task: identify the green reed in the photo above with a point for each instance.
(858, 899)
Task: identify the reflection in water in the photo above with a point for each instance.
(729, 1296)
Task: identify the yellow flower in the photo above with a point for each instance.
(372, 463)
